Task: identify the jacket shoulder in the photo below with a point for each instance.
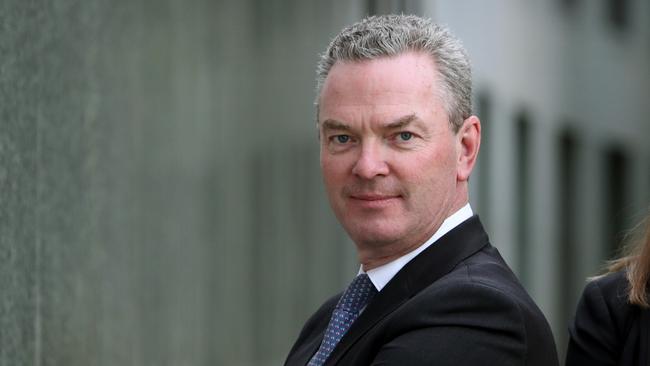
(478, 312)
(602, 321)
(488, 269)
(614, 287)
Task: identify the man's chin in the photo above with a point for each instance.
(375, 236)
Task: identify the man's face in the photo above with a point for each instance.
(388, 156)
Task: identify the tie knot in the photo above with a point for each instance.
(357, 295)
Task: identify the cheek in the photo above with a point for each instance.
(333, 172)
(432, 173)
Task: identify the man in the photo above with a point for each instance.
(397, 144)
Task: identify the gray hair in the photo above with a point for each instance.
(392, 35)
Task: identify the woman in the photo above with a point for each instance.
(612, 321)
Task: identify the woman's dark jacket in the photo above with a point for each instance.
(607, 329)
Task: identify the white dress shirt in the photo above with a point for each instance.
(384, 273)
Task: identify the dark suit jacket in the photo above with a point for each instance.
(456, 303)
(608, 330)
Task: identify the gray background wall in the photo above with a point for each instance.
(160, 199)
(157, 169)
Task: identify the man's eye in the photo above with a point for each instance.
(405, 136)
(342, 139)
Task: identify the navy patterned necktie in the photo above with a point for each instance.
(355, 298)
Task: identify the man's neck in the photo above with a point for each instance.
(374, 258)
(381, 275)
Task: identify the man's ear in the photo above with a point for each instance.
(468, 140)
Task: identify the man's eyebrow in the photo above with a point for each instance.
(332, 124)
(402, 122)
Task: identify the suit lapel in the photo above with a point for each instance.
(433, 263)
(307, 344)
(308, 350)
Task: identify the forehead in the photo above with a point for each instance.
(409, 79)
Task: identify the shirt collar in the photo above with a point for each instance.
(384, 273)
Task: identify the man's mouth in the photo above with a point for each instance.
(373, 201)
(373, 197)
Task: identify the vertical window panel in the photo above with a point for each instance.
(616, 167)
(566, 223)
(522, 201)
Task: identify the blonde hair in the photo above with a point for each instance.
(636, 263)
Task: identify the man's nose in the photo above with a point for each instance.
(371, 162)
